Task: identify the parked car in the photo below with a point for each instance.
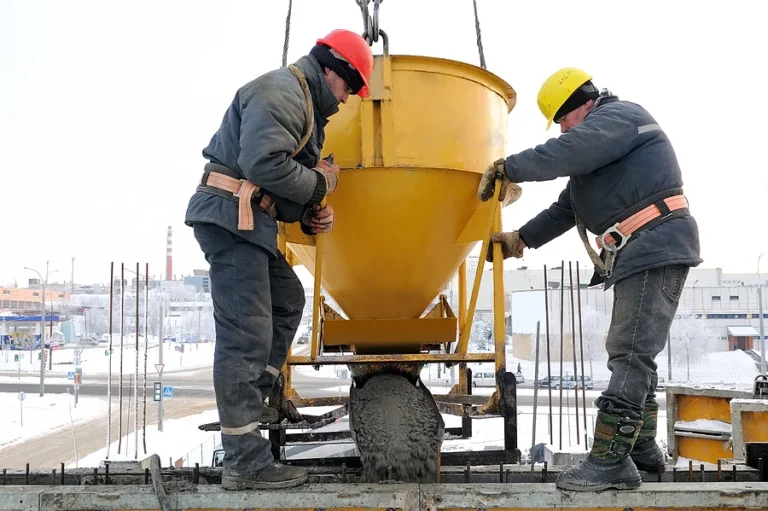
(488, 379)
(569, 382)
(661, 385)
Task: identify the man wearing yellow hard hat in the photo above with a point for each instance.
(625, 185)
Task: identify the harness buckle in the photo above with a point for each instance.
(614, 232)
(242, 185)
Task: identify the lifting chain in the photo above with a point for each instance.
(479, 38)
(371, 30)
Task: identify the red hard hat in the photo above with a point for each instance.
(355, 50)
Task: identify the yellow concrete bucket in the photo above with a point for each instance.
(406, 208)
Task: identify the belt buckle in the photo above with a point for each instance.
(614, 232)
(237, 194)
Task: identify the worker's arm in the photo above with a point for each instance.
(273, 120)
(606, 135)
(550, 223)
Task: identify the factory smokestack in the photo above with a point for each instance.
(169, 257)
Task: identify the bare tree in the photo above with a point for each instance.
(689, 340)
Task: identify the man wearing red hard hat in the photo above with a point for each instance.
(264, 167)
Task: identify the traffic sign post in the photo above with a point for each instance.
(21, 406)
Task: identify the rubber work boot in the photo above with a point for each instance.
(608, 464)
(646, 453)
(268, 415)
(272, 476)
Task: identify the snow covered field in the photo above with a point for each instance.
(94, 361)
(180, 441)
(43, 415)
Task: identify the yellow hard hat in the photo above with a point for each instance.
(558, 88)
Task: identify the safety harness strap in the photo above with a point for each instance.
(649, 213)
(224, 182)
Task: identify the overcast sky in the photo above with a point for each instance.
(105, 107)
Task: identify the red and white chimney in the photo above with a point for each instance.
(169, 257)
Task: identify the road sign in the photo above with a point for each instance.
(159, 368)
(158, 389)
(167, 391)
(15, 358)
(71, 375)
(22, 396)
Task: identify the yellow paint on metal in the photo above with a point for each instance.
(499, 325)
(392, 357)
(388, 335)
(754, 426)
(691, 408)
(411, 157)
(703, 449)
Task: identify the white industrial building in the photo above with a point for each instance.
(726, 305)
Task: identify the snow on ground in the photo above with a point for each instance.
(43, 415)
(732, 368)
(180, 443)
(94, 361)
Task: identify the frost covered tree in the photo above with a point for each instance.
(594, 331)
(481, 336)
(689, 341)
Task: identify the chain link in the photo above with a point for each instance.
(370, 23)
(479, 38)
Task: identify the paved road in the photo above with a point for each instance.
(50, 451)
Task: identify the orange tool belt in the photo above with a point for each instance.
(635, 222)
(244, 191)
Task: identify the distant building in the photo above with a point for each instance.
(22, 299)
(200, 280)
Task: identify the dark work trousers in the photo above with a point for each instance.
(257, 305)
(644, 306)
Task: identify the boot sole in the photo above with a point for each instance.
(600, 487)
(235, 484)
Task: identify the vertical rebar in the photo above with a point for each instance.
(109, 355)
(562, 344)
(62, 473)
(136, 373)
(719, 471)
(122, 333)
(581, 349)
(146, 352)
(690, 471)
(535, 392)
(573, 343)
(549, 359)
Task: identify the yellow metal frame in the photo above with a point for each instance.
(329, 328)
(437, 336)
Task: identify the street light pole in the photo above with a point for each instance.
(760, 311)
(42, 328)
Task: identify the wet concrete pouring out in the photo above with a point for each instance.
(397, 428)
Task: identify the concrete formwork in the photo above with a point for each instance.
(750, 424)
(689, 403)
(387, 497)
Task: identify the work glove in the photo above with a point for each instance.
(511, 245)
(510, 192)
(331, 172)
(317, 220)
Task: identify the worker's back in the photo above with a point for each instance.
(637, 167)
